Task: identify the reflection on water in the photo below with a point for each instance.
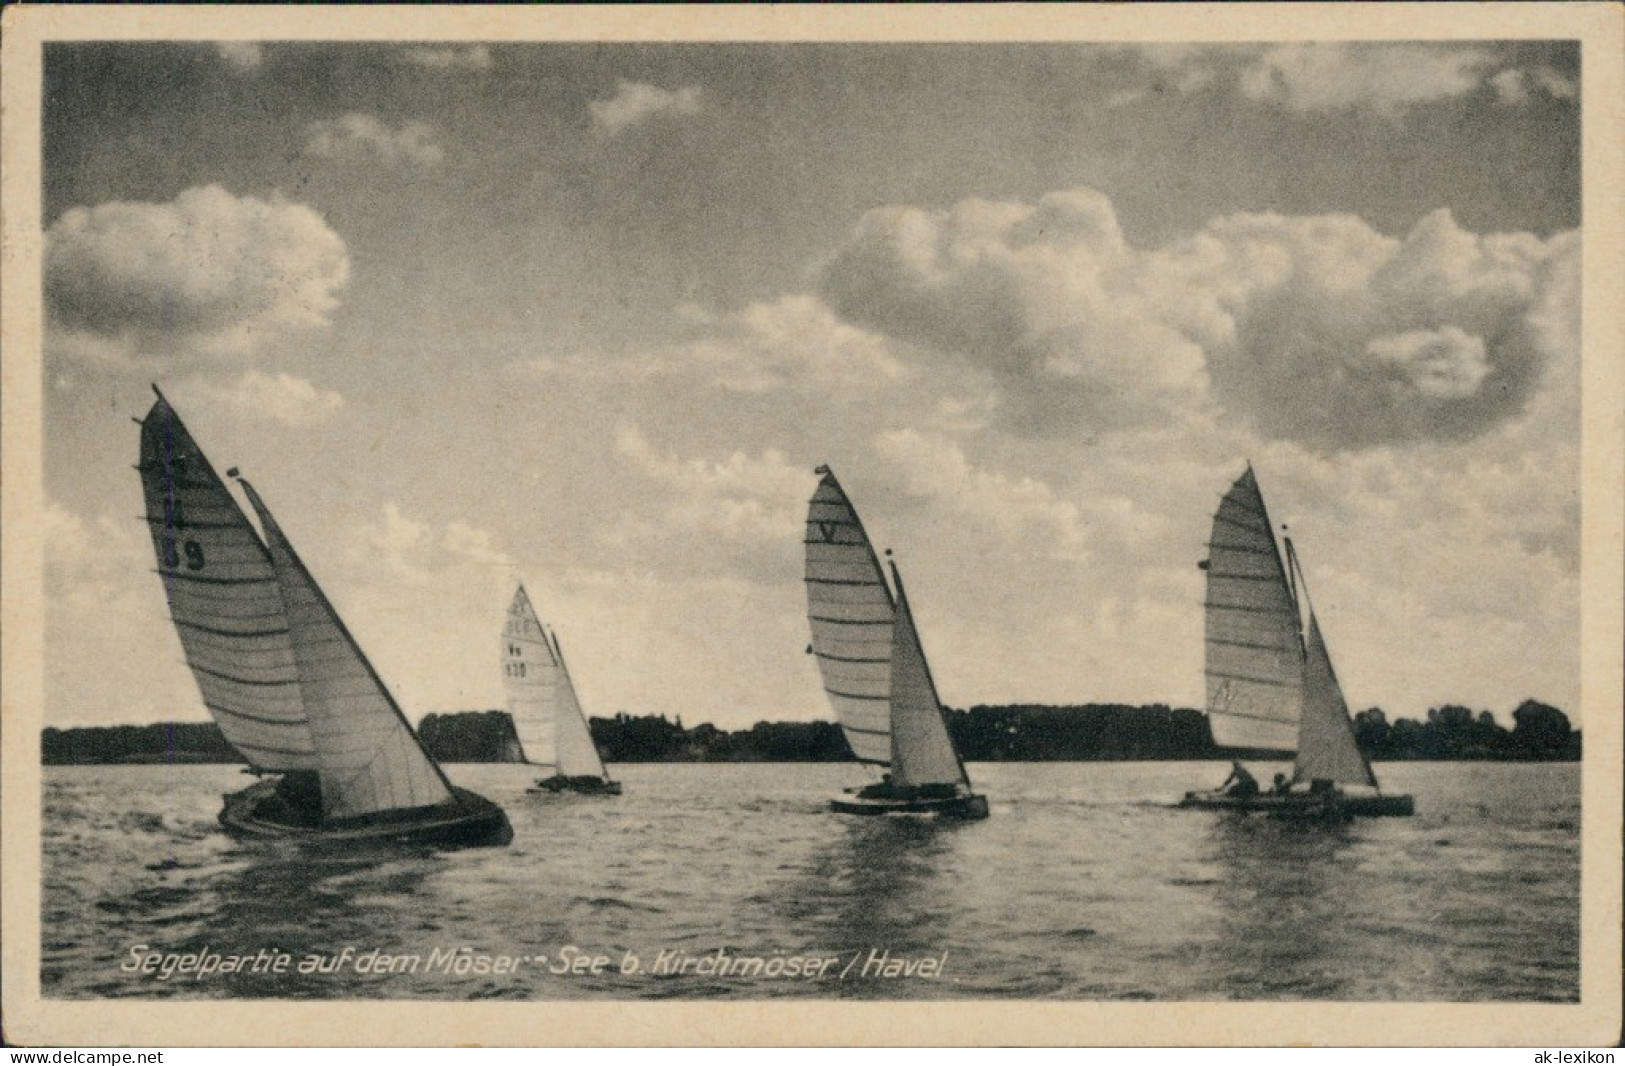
(879, 884)
(1278, 907)
(1085, 884)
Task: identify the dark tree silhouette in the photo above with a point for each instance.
(1018, 732)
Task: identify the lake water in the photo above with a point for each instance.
(1084, 884)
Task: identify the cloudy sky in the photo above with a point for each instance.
(591, 315)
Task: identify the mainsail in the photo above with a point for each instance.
(542, 700)
(850, 610)
(529, 674)
(224, 599)
(1254, 651)
(1270, 681)
(368, 757)
(922, 751)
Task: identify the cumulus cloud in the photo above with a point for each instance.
(361, 136)
(245, 56)
(793, 339)
(1440, 364)
(209, 273)
(740, 499)
(101, 594)
(88, 560)
(1383, 77)
(449, 58)
(1316, 329)
(397, 545)
(291, 401)
(636, 103)
(1556, 85)
(424, 601)
(1327, 332)
(595, 367)
(1040, 297)
(988, 513)
(1515, 87)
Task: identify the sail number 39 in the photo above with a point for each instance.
(191, 549)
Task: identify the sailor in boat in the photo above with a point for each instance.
(1240, 783)
(1282, 785)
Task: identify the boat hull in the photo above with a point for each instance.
(589, 786)
(1303, 805)
(970, 807)
(1379, 806)
(473, 821)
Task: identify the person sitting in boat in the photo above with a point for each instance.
(1282, 784)
(884, 790)
(1240, 782)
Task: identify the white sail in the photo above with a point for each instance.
(224, 599)
(1254, 654)
(542, 700)
(577, 754)
(850, 611)
(1326, 746)
(368, 758)
(922, 751)
(530, 676)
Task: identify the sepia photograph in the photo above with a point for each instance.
(868, 527)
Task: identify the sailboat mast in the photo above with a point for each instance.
(1285, 564)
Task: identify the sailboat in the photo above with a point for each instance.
(1270, 683)
(280, 673)
(547, 716)
(875, 672)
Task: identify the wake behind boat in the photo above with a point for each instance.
(1270, 683)
(280, 673)
(875, 672)
(547, 718)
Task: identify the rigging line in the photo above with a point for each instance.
(242, 680)
(189, 523)
(851, 658)
(180, 575)
(1242, 607)
(1227, 520)
(1244, 507)
(285, 723)
(1251, 680)
(1254, 717)
(1247, 644)
(1245, 548)
(855, 696)
(233, 632)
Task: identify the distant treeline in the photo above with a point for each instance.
(1539, 732)
(1015, 733)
